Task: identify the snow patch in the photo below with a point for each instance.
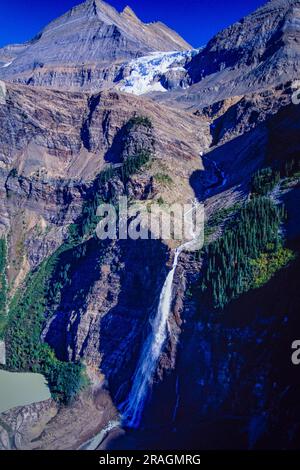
(145, 72)
(7, 64)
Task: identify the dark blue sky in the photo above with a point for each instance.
(196, 20)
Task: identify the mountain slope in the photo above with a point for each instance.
(259, 51)
(81, 47)
(53, 144)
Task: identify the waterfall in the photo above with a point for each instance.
(142, 380)
(132, 408)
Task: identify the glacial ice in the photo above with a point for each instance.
(145, 72)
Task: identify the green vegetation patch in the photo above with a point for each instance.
(87, 222)
(264, 181)
(133, 164)
(229, 271)
(160, 201)
(250, 251)
(269, 263)
(3, 284)
(164, 179)
(218, 218)
(139, 121)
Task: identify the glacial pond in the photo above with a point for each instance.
(20, 389)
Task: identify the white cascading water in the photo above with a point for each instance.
(132, 408)
(142, 379)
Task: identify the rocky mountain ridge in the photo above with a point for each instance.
(259, 51)
(265, 53)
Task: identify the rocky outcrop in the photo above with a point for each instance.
(72, 135)
(247, 132)
(103, 315)
(239, 115)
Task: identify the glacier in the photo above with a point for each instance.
(145, 73)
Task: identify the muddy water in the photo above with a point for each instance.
(19, 389)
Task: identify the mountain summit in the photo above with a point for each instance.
(80, 45)
(129, 13)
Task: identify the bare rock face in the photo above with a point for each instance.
(84, 48)
(72, 135)
(260, 51)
